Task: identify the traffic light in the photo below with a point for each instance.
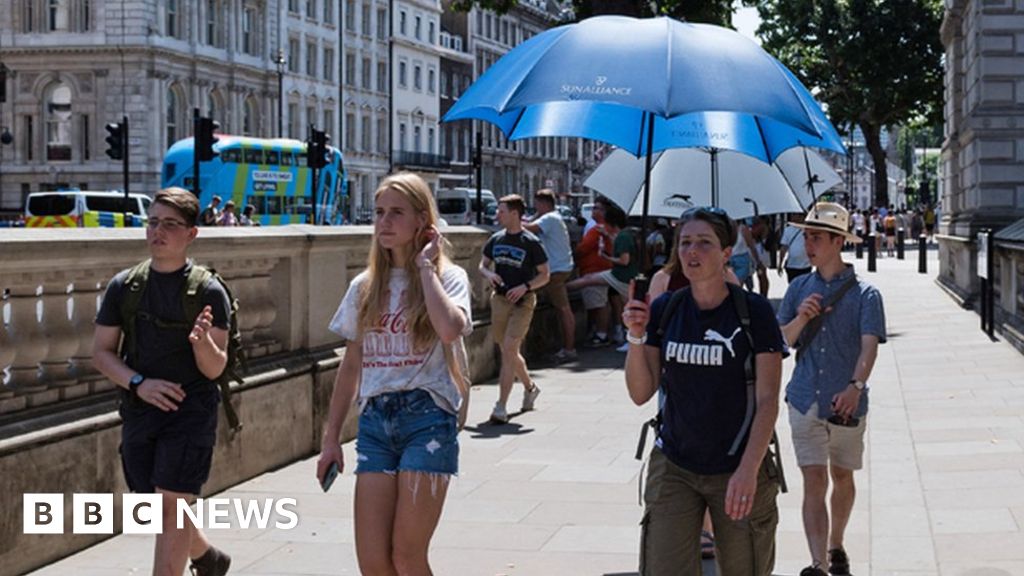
(316, 153)
(115, 141)
(205, 139)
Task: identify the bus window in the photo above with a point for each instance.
(273, 157)
(273, 204)
(301, 159)
(287, 159)
(252, 156)
(232, 155)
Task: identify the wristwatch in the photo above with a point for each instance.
(859, 384)
(135, 382)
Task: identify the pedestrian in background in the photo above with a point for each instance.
(228, 218)
(589, 260)
(211, 214)
(713, 446)
(835, 321)
(167, 370)
(520, 267)
(549, 227)
(397, 317)
(248, 216)
(793, 254)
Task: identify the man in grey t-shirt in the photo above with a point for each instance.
(554, 236)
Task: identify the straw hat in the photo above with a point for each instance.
(829, 217)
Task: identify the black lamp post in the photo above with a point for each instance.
(280, 62)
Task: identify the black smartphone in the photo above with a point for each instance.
(640, 285)
(329, 476)
(838, 420)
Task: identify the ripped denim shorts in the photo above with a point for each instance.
(407, 431)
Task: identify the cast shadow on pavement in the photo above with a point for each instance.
(486, 430)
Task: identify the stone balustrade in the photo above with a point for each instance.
(288, 281)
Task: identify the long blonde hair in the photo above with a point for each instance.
(379, 264)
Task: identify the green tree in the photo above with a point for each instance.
(873, 63)
(711, 11)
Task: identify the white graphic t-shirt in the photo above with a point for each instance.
(389, 362)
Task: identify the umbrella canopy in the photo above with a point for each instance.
(659, 66)
(683, 177)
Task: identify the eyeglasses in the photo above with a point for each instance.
(169, 224)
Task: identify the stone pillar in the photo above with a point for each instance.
(30, 343)
(83, 313)
(55, 370)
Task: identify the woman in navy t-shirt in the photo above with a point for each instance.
(710, 454)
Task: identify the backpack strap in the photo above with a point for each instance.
(812, 327)
(134, 286)
(739, 301)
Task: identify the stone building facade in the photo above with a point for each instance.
(76, 65)
(982, 163)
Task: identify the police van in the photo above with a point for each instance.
(85, 208)
(458, 205)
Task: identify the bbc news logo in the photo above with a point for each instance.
(143, 513)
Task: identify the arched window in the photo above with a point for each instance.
(173, 117)
(215, 109)
(250, 117)
(58, 123)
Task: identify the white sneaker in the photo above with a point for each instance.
(618, 334)
(499, 415)
(623, 348)
(530, 397)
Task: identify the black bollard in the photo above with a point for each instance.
(900, 236)
(872, 254)
(922, 254)
(860, 247)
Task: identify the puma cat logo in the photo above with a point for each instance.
(713, 336)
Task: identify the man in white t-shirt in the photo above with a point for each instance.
(797, 263)
(554, 236)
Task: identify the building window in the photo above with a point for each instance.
(417, 133)
(171, 117)
(402, 17)
(402, 81)
(58, 123)
(350, 131)
(431, 32)
(311, 59)
(311, 114)
(329, 64)
(401, 136)
(365, 20)
(213, 17)
(366, 135)
(173, 19)
(329, 12)
(382, 77)
(417, 77)
(444, 84)
(57, 15)
(250, 117)
(350, 69)
(430, 140)
(432, 81)
(416, 29)
(86, 149)
(311, 8)
(329, 117)
(249, 20)
(293, 6)
(293, 120)
(366, 73)
(293, 55)
(382, 135)
(350, 15)
(382, 24)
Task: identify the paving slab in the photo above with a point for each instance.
(555, 491)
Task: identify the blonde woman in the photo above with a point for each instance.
(398, 316)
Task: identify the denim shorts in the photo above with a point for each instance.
(406, 431)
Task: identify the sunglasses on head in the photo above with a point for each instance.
(705, 210)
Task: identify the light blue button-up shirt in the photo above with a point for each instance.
(826, 367)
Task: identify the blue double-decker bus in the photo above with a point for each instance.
(270, 174)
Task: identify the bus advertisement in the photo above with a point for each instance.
(270, 174)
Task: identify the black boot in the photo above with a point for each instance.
(212, 563)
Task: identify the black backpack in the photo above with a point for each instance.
(739, 299)
(192, 304)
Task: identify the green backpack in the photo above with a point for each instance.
(192, 304)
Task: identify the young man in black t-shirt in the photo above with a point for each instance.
(520, 267)
(169, 399)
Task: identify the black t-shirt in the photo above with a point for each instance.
(702, 356)
(164, 353)
(515, 256)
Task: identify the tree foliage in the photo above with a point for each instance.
(874, 63)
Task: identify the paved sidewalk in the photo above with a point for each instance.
(555, 491)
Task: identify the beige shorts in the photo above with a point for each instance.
(618, 285)
(555, 289)
(511, 320)
(817, 441)
(594, 297)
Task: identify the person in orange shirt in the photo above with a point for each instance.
(588, 260)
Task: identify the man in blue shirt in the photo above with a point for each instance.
(551, 230)
(828, 393)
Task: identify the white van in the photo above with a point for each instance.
(458, 205)
(78, 208)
